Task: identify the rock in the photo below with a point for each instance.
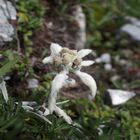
(104, 58)
(108, 67)
(79, 17)
(7, 12)
(117, 97)
(133, 20)
(33, 83)
(132, 28)
(29, 103)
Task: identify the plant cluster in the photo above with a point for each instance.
(30, 18)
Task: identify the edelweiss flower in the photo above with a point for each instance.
(71, 61)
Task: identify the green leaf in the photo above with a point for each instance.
(7, 67)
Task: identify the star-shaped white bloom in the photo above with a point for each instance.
(67, 57)
(72, 61)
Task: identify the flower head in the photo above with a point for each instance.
(72, 61)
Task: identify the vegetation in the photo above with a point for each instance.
(93, 120)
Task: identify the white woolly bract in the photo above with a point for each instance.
(87, 63)
(47, 60)
(4, 90)
(61, 113)
(55, 49)
(88, 81)
(28, 103)
(82, 53)
(57, 84)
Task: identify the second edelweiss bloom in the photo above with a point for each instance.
(71, 61)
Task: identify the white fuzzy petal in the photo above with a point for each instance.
(61, 113)
(57, 84)
(88, 81)
(105, 58)
(4, 90)
(52, 101)
(87, 63)
(82, 53)
(59, 81)
(55, 49)
(47, 60)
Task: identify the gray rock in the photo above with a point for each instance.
(108, 67)
(79, 17)
(117, 97)
(104, 58)
(7, 12)
(33, 83)
(132, 28)
(6, 32)
(133, 20)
